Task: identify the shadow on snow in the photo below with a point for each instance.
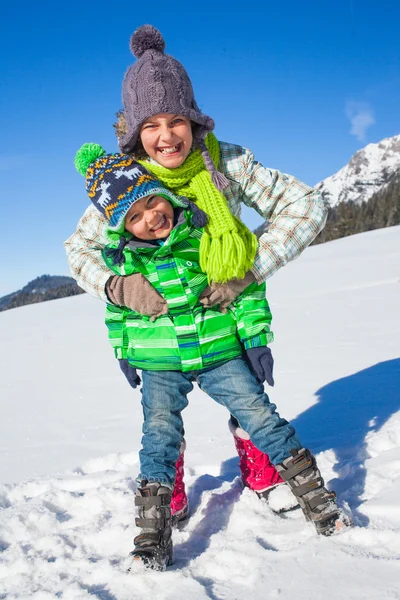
(216, 513)
(347, 410)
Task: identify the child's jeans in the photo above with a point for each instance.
(164, 396)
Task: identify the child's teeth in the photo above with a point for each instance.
(159, 224)
(169, 150)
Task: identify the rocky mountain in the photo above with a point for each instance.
(382, 209)
(45, 287)
(368, 171)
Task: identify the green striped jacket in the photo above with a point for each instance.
(190, 337)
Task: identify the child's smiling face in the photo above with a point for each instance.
(167, 139)
(151, 218)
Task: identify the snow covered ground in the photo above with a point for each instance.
(70, 433)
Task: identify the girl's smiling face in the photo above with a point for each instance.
(151, 218)
(167, 139)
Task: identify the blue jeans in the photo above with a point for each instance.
(164, 396)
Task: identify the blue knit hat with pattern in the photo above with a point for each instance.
(114, 182)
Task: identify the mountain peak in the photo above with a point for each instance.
(369, 170)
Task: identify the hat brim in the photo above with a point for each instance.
(118, 227)
(128, 142)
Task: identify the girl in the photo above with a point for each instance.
(162, 126)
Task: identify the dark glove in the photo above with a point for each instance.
(261, 362)
(225, 293)
(129, 372)
(136, 293)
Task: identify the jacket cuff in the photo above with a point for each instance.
(100, 288)
(120, 353)
(107, 291)
(260, 340)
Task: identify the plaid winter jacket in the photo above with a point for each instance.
(190, 336)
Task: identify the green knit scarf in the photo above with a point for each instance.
(227, 246)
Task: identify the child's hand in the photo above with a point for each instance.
(261, 362)
(225, 293)
(129, 372)
(136, 293)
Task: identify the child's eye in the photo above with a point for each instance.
(132, 218)
(177, 120)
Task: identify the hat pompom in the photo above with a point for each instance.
(87, 154)
(145, 38)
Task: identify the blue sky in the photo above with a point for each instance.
(303, 84)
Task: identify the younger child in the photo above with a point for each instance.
(158, 234)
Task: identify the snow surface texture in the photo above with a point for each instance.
(369, 170)
(70, 433)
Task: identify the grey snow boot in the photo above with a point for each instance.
(153, 546)
(301, 473)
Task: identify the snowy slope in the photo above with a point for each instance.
(369, 170)
(70, 432)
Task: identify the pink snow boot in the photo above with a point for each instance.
(179, 500)
(258, 473)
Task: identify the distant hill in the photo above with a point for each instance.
(41, 289)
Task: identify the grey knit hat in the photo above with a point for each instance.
(157, 83)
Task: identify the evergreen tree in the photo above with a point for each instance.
(348, 218)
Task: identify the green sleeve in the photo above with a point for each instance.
(116, 325)
(253, 317)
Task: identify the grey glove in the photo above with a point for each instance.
(225, 293)
(136, 293)
(261, 362)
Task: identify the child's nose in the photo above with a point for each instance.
(166, 133)
(152, 217)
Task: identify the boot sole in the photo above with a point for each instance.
(336, 525)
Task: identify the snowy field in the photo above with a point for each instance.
(70, 432)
